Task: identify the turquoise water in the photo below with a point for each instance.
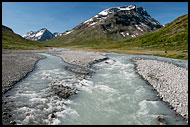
(115, 94)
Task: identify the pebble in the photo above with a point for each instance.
(12, 122)
(81, 58)
(161, 120)
(15, 67)
(173, 89)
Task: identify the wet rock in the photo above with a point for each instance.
(62, 91)
(27, 114)
(5, 113)
(10, 115)
(161, 120)
(52, 115)
(12, 122)
(66, 93)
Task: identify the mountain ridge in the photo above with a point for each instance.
(113, 23)
(169, 41)
(40, 35)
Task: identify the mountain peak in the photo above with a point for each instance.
(40, 35)
(43, 29)
(128, 8)
(128, 21)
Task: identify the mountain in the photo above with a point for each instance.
(170, 41)
(121, 22)
(174, 36)
(41, 35)
(113, 23)
(11, 40)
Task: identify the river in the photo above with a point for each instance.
(114, 94)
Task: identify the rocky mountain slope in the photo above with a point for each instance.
(170, 41)
(126, 21)
(114, 23)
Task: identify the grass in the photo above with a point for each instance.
(169, 41)
(10, 40)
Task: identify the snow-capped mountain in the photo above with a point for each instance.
(41, 35)
(117, 22)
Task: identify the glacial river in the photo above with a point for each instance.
(114, 94)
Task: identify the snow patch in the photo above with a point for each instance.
(87, 21)
(130, 7)
(133, 35)
(122, 34)
(139, 28)
(68, 32)
(92, 23)
(104, 13)
(39, 34)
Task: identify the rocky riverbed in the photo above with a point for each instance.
(169, 80)
(82, 60)
(55, 81)
(15, 67)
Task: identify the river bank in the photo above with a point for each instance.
(16, 64)
(15, 67)
(170, 81)
(115, 86)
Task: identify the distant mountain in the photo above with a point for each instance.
(113, 23)
(41, 35)
(11, 40)
(170, 41)
(118, 22)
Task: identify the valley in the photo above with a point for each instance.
(118, 67)
(69, 90)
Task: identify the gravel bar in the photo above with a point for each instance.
(15, 67)
(81, 58)
(169, 80)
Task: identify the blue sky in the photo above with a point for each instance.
(23, 17)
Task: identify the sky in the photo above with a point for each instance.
(23, 17)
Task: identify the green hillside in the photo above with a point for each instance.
(10, 40)
(169, 41)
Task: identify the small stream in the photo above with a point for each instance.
(115, 94)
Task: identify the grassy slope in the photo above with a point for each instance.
(172, 38)
(10, 40)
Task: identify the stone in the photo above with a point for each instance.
(161, 120)
(52, 115)
(5, 113)
(169, 80)
(12, 122)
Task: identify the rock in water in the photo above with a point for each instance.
(12, 122)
